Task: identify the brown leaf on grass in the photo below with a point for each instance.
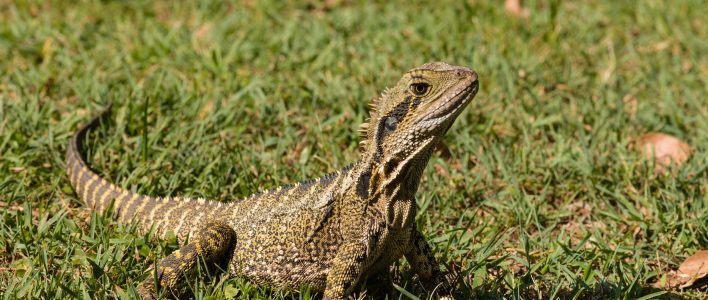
(696, 266)
(664, 149)
(693, 269)
(514, 8)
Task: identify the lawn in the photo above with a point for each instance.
(537, 191)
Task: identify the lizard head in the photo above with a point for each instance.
(410, 118)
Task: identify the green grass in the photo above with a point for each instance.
(539, 197)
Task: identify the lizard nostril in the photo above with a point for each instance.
(463, 73)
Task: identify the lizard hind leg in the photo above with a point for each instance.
(213, 245)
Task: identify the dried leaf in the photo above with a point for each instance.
(664, 149)
(691, 270)
(514, 8)
(695, 267)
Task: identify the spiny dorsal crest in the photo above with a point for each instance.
(374, 111)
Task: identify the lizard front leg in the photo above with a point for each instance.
(346, 270)
(423, 263)
(213, 244)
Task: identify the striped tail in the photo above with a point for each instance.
(179, 215)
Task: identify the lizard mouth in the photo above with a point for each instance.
(454, 105)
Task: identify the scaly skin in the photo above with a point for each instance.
(327, 233)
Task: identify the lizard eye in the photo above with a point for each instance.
(391, 123)
(419, 89)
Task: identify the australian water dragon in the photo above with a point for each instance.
(327, 233)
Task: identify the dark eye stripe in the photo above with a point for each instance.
(401, 109)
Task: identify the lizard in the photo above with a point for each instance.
(328, 233)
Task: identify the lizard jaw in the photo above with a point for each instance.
(452, 107)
